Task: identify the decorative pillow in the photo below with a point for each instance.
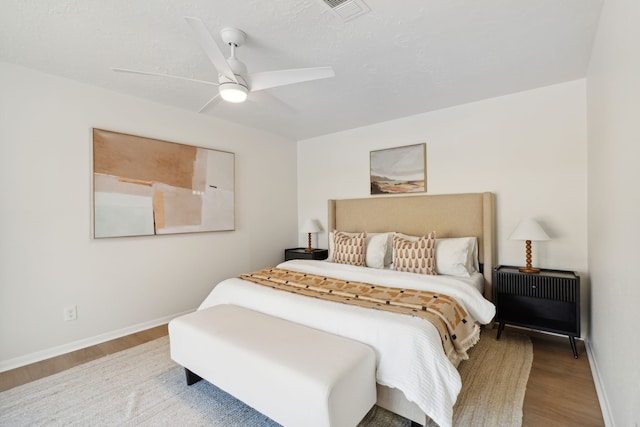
(457, 256)
(349, 249)
(332, 244)
(379, 247)
(403, 236)
(415, 256)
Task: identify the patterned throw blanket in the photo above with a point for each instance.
(458, 331)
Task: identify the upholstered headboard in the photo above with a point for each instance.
(450, 215)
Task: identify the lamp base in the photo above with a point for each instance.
(528, 268)
(309, 248)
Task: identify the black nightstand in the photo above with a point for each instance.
(301, 253)
(548, 301)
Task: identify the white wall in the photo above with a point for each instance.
(613, 94)
(528, 148)
(47, 257)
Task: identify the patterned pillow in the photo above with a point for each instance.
(415, 256)
(349, 248)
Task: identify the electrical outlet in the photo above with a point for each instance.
(70, 313)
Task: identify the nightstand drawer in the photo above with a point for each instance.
(556, 288)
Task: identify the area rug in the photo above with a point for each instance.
(142, 386)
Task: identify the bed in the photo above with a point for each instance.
(415, 377)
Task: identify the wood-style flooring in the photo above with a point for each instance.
(28, 373)
(560, 391)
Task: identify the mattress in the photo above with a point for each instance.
(409, 353)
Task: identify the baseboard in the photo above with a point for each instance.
(597, 380)
(38, 356)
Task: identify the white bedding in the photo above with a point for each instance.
(408, 350)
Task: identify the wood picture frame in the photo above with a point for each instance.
(145, 186)
(399, 170)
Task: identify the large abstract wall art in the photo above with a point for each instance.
(144, 186)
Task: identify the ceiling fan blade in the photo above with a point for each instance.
(211, 48)
(148, 73)
(212, 101)
(269, 101)
(270, 79)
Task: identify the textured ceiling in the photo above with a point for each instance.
(402, 58)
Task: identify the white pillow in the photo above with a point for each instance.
(457, 256)
(379, 248)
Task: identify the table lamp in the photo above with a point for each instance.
(310, 226)
(529, 230)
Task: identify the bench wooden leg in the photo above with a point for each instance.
(191, 377)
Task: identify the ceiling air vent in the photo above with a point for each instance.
(347, 9)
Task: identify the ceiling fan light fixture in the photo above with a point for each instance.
(233, 92)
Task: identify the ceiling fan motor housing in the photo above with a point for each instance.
(230, 90)
(234, 91)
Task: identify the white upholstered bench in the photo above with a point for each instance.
(295, 375)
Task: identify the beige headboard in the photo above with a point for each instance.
(450, 215)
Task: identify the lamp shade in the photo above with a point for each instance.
(529, 229)
(311, 226)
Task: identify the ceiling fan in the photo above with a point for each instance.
(234, 83)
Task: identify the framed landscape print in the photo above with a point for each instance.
(399, 170)
(144, 186)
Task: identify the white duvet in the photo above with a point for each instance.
(409, 352)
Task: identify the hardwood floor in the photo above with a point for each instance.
(25, 374)
(560, 391)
